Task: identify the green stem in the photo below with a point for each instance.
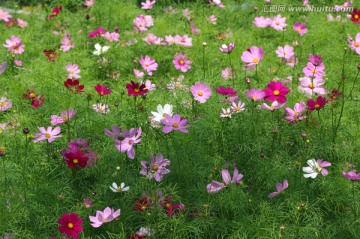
(353, 201)
(232, 72)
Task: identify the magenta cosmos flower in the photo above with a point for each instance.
(174, 123)
(316, 60)
(252, 56)
(64, 117)
(226, 91)
(49, 134)
(300, 28)
(14, 44)
(296, 114)
(279, 188)
(201, 92)
(312, 86)
(276, 91)
(105, 216)
(255, 94)
(318, 104)
(181, 62)
(5, 104)
(148, 64)
(351, 175)
(156, 169)
(216, 186)
(70, 225)
(355, 44)
(102, 90)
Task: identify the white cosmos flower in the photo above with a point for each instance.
(226, 113)
(100, 49)
(161, 112)
(115, 188)
(313, 170)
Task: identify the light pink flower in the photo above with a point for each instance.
(292, 61)
(225, 113)
(49, 134)
(67, 43)
(295, 115)
(278, 23)
(310, 86)
(355, 44)
(147, 4)
(184, 40)
(262, 22)
(216, 186)
(174, 123)
(22, 23)
(101, 108)
(18, 63)
(64, 117)
(201, 92)
(217, 3)
(89, 3)
(107, 215)
(239, 107)
(181, 62)
(274, 106)
(170, 40)
(5, 104)
(314, 71)
(5, 16)
(150, 38)
(113, 36)
(255, 94)
(279, 188)
(186, 13)
(252, 56)
(300, 28)
(127, 144)
(138, 74)
(149, 85)
(73, 70)
(148, 64)
(212, 19)
(286, 52)
(14, 44)
(227, 73)
(193, 29)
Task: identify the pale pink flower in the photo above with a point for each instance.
(181, 62)
(262, 22)
(193, 29)
(113, 36)
(212, 19)
(344, 7)
(238, 107)
(184, 40)
(89, 3)
(49, 134)
(18, 63)
(355, 44)
(101, 108)
(310, 86)
(300, 28)
(138, 74)
(274, 106)
(148, 64)
(14, 44)
(156, 168)
(174, 123)
(314, 71)
(5, 16)
(170, 40)
(73, 70)
(107, 215)
(22, 23)
(2, 127)
(278, 23)
(279, 188)
(252, 56)
(292, 61)
(186, 13)
(67, 43)
(149, 85)
(255, 94)
(201, 92)
(128, 143)
(296, 114)
(147, 4)
(217, 3)
(150, 38)
(216, 186)
(227, 73)
(64, 117)
(286, 52)
(225, 113)
(5, 104)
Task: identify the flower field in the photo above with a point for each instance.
(179, 119)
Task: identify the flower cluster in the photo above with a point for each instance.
(184, 40)
(14, 45)
(278, 22)
(35, 99)
(142, 23)
(78, 154)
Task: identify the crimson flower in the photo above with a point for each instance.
(102, 90)
(276, 91)
(77, 158)
(74, 86)
(142, 204)
(135, 89)
(335, 94)
(36, 99)
(355, 16)
(226, 91)
(51, 55)
(316, 105)
(55, 12)
(70, 224)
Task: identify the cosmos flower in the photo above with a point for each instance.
(5, 104)
(316, 167)
(102, 90)
(127, 144)
(296, 114)
(49, 134)
(105, 216)
(318, 104)
(161, 112)
(174, 123)
(181, 62)
(135, 89)
(216, 186)
(156, 168)
(73, 70)
(278, 23)
(279, 188)
(276, 91)
(201, 92)
(64, 117)
(262, 22)
(100, 49)
(252, 56)
(121, 188)
(70, 225)
(300, 28)
(351, 175)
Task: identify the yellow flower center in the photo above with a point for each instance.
(65, 119)
(118, 189)
(47, 136)
(356, 44)
(276, 92)
(299, 29)
(2, 104)
(181, 62)
(87, 205)
(32, 95)
(200, 93)
(238, 108)
(311, 86)
(147, 65)
(75, 161)
(356, 16)
(175, 125)
(70, 225)
(316, 106)
(143, 207)
(255, 60)
(155, 168)
(254, 97)
(277, 23)
(313, 71)
(137, 90)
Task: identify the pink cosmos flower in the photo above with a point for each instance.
(49, 134)
(217, 3)
(311, 86)
(87, 203)
(262, 22)
(3, 67)
(127, 144)
(227, 48)
(355, 44)
(174, 123)
(105, 216)
(142, 22)
(212, 19)
(252, 56)
(156, 169)
(292, 61)
(279, 188)
(300, 28)
(101, 108)
(67, 43)
(148, 64)
(255, 94)
(14, 44)
(187, 13)
(64, 117)
(278, 23)
(316, 60)
(5, 16)
(150, 39)
(73, 70)
(89, 3)
(18, 63)
(238, 107)
(147, 5)
(170, 40)
(343, 7)
(5, 104)
(181, 62)
(227, 73)
(351, 175)
(149, 85)
(21, 23)
(314, 71)
(286, 52)
(193, 29)
(98, 32)
(113, 36)
(201, 92)
(138, 74)
(216, 186)
(276, 91)
(295, 115)
(274, 106)
(226, 91)
(184, 40)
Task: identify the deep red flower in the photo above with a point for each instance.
(226, 91)
(36, 103)
(55, 12)
(276, 91)
(167, 202)
(355, 16)
(135, 90)
(74, 86)
(97, 32)
(137, 236)
(70, 224)
(102, 90)
(36, 99)
(11, 23)
(316, 105)
(334, 95)
(51, 55)
(74, 159)
(142, 204)
(174, 209)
